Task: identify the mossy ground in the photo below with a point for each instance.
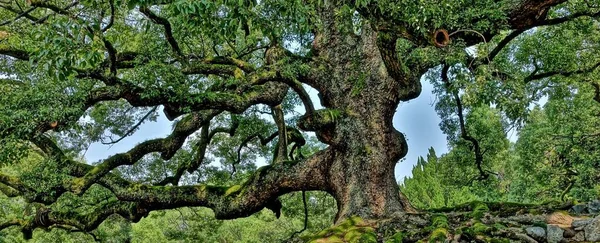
(472, 222)
(353, 229)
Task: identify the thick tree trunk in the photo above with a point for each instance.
(362, 174)
(361, 90)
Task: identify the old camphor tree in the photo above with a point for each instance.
(229, 74)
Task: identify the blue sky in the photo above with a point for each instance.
(416, 119)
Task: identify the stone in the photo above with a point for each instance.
(525, 238)
(579, 237)
(569, 232)
(592, 230)
(560, 218)
(554, 233)
(594, 207)
(537, 233)
(579, 209)
(580, 223)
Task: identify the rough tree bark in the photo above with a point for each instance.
(361, 97)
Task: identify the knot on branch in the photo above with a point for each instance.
(441, 38)
(42, 217)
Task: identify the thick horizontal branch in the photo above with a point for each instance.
(530, 12)
(13, 183)
(523, 15)
(258, 88)
(216, 69)
(90, 221)
(269, 94)
(261, 190)
(46, 218)
(243, 65)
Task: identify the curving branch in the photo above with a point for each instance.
(503, 43)
(483, 174)
(263, 141)
(304, 97)
(112, 16)
(556, 21)
(112, 57)
(194, 164)
(168, 29)
(305, 216)
(386, 43)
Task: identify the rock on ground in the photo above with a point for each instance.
(538, 233)
(592, 230)
(555, 233)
